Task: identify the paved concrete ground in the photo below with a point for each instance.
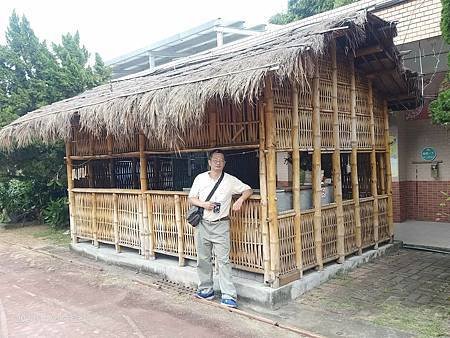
(48, 291)
(408, 292)
(427, 234)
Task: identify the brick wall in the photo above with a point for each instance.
(419, 200)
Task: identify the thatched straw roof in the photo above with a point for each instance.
(174, 96)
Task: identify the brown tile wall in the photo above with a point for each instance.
(419, 200)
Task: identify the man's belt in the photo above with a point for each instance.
(220, 219)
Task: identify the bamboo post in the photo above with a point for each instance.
(296, 178)
(316, 167)
(180, 230)
(116, 221)
(134, 182)
(70, 186)
(94, 219)
(373, 166)
(151, 238)
(144, 187)
(382, 175)
(272, 183)
(213, 124)
(263, 193)
(354, 157)
(141, 223)
(337, 177)
(390, 211)
(112, 178)
(89, 164)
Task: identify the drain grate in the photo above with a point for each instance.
(173, 286)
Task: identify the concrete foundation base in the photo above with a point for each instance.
(249, 286)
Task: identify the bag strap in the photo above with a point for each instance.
(215, 187)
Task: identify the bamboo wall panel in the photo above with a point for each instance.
(326, 130)
(308, 245)
(325, 92)
(363, 131)
(344, 97)
(80, 144)
(196, 137)
(304, 99)
(349, 226)
(367, 237)
(282, 94)
(164, 224)
(383, 226)
(128, 221)
(329, 233)
(237, 123)
(82, 212)
(362, 101)
(283, 127)
(379, 132)
(287, 243)
(345, 131)
(343, 66)
(246, 237)
(305, 129)
(105, 213)
(125, 145)
(80, 174)
(188, 231)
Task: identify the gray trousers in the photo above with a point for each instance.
(215, 235)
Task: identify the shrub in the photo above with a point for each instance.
(17, 201)
(56, 213)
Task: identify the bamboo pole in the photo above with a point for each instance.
(354, 157)
(390, 211)
(180, 230)
(373, 166)
(316, 167)
(89, 164)
(70, 186)
(272, 183)
(296, 178)
(144, 187)
(94, 219)
(213, 124)
(141, 222)
(336, 159)
(382, 175)
(151, 238)
(116, 222)
(263, 194)
(134, 182)
(112, 178)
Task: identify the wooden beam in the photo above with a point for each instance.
(373, 166)
(70, 186)
(272, 183)
(296, 177)
(263, 192)
(354, 157)
(316, 167)
(390, 210)
(336, 159)
(368, 51)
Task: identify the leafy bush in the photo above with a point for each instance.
(17, 201)
(56, 213)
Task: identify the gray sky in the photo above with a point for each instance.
(113, 28)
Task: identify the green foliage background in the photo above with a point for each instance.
(440, 108)
(32, 74)
(299, 9)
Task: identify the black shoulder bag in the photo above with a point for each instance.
(195, 213)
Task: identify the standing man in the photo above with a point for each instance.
(213, 231)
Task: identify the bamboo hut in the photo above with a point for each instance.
(318, 92)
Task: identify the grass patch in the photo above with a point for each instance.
(423, 321)
(54, 236)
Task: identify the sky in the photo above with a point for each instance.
(114, 28)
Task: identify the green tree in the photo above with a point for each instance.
(33, 75)
(440, 108)
(299, 9)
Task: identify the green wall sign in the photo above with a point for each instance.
(428, 154)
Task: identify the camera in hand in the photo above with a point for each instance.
(216, 208)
